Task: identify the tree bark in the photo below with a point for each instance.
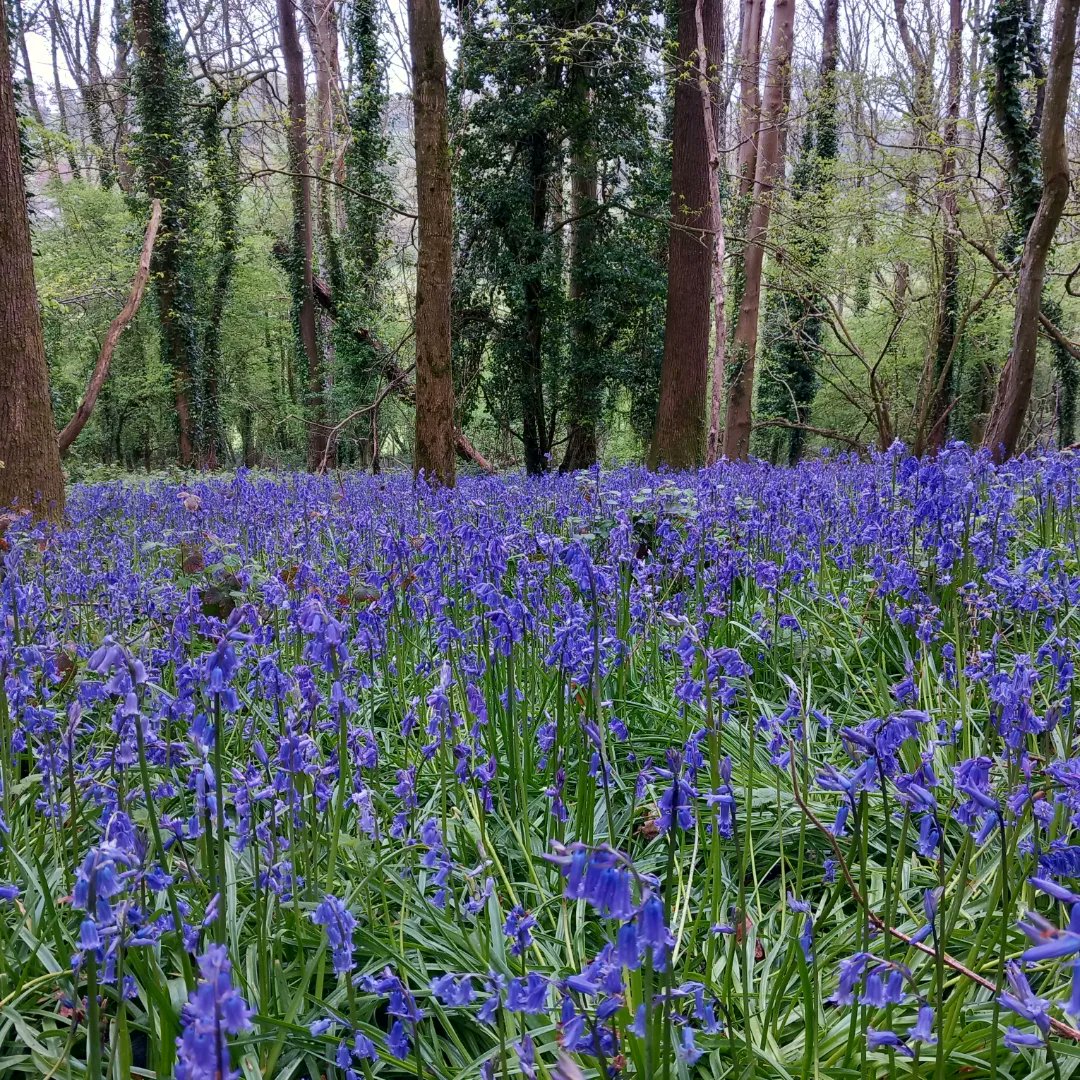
(935, 427)
(535, 435)
(584, 386)
(303, 240)
(434, 452)
(744, 342)
(679, 436)
(1009, 410)
(753, 19)
(30, 473)
(712, 110)
(75, 425)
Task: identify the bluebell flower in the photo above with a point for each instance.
(397, 1041)
(686, 1049)
(339, 924)
(886, 1040)
(1017, 1040)
(528, 995)
(519, 925)
(214, 1011)
(923, 1031)
(1022, 1000)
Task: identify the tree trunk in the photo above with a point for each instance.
(584, 388)
(61, 101)
(30, 475)
(125, 173)
(434, 454)
(936, 425)
(749, 73)
(533, 421)
(303, 242)
(1013, 395)
(679, 437)
(93, 96)
(159, 83)
(712, 110)
(18, 24)
(744, 343)
(753, 19)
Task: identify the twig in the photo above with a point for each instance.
(879, 923)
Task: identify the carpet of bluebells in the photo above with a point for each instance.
(749, 772)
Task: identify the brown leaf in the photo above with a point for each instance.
(191, 558)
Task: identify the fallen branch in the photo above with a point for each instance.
(879, 923)
(72, 428)
(825, 433)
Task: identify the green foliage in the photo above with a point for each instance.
(87, 244)
(543, 91)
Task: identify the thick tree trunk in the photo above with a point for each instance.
(744, 342)
(434, 452)
(30, 475)
(1013, 395)
(679, 436)
(584, 387)
(935, 424)
(303, 241)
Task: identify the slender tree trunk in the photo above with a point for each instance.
(93, 96)
(19, 21)
(936, 426)
(753, 19)
(61, 100)
(125, 173)
(710, 69)
(921, 104)
(534, 421)
(679, 436)
(744, 343)
(303, 241)
(749, 75)
(1010, 406)
(30, 476)
(434, 455)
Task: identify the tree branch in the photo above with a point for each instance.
(75, 425)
